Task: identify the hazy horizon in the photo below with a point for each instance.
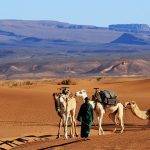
(72, 23)
(97, 13)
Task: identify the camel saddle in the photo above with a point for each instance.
(105, 97)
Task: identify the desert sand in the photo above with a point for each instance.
(29, 111)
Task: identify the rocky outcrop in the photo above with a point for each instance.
(123, 67)
(130, 27)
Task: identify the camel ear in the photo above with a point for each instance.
(126, 103)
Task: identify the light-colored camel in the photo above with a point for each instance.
(136, 110)
(66, 107)
(115, 112)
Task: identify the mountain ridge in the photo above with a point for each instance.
(57, 48)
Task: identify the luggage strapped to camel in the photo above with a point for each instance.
(105, 97)
(108, 97)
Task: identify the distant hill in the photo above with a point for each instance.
(129, 39)
(123, 67)
(51, 33)
(54, 30)
(31, 39)
(45, 48)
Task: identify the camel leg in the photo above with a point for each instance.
(122, 126)
(75, 127)
(120, 116)
(74, 130)
(100, 118)
(113, 117)
(60, 125)
(74, 123)
(72, 126)
(71, 131)
(116, 119)
(66, 126)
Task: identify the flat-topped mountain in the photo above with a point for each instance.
(130, 27)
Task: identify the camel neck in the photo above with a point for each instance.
(140, 114)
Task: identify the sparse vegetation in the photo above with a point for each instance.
(98, 78)
(28, 83)
(66, 82)
(23, 83)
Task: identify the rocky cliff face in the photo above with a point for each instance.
(123, 67)
(130, 27)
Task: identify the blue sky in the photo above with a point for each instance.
(92, 12)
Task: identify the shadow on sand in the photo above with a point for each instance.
(107, 127)
(128, 127)
(63, 144)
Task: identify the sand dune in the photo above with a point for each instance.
(29, 110)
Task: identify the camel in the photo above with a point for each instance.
(116, 112)
(66, 107)
(136, 110)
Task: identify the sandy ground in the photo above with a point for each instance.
(30, 111)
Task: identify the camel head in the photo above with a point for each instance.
(81, 93)
(64, 90)
(60, 102)
(130, 105)
(56, 97)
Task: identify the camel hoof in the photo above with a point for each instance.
(121, 132)
(58, 137)
(66, 137)
(102, 133)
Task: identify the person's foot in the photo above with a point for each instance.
(86, 138)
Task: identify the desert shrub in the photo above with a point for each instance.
(13, 84)
(98, 78)
(28, 83)
(67, 82)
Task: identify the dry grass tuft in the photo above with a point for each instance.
(67, 82)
